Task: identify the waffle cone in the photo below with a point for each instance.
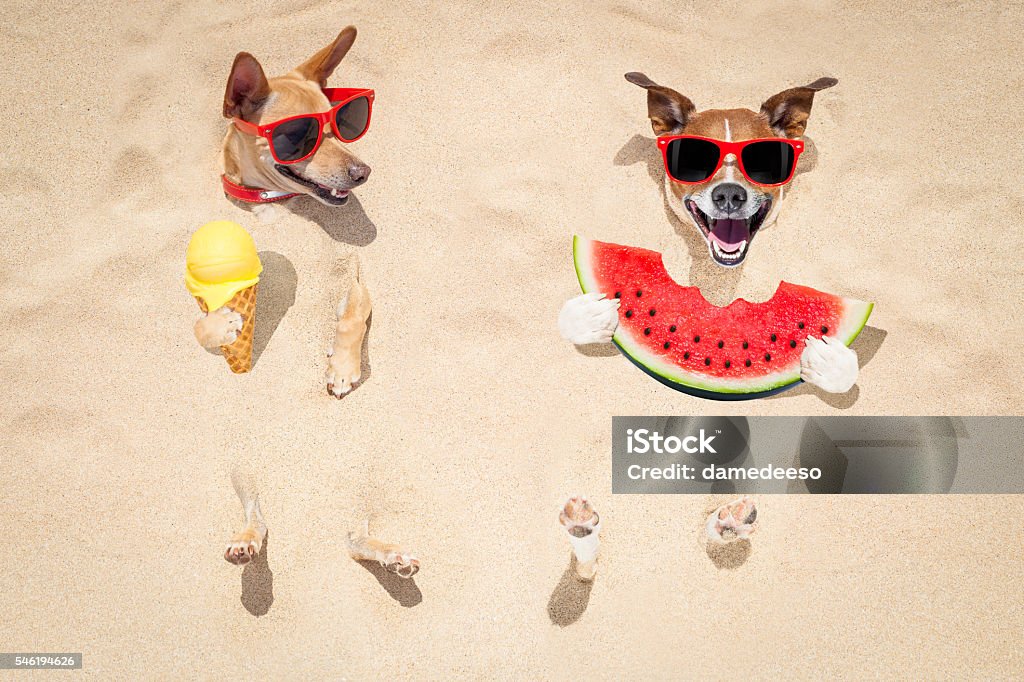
(239, 352)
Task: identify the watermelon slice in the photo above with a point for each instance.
(742, 351)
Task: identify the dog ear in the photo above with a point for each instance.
(247, 87)
(320, 66)
(667, 109)
(788, 111)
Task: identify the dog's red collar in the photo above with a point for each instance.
(254, 195)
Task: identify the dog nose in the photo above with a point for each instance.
(359, 173)
(729, 197)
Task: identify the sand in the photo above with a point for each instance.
(500, 129)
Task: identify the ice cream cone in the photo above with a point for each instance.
(222, 269)
(238, 353)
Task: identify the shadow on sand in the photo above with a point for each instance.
(276, 295)
(402, 590)
(730, 556)
(348, 224)
(258, 584)
(570, 598)
(597, 350)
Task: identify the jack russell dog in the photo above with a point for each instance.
(727, 199)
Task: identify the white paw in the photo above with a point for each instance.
(589, 318)
(402, 564)
(733, 521)
(828, 364)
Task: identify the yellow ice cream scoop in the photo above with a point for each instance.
(221, 261)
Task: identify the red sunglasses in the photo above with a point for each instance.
(297, 138)
(768, 162)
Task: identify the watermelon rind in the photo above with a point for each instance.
(857, 313)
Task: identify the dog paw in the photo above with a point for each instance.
(828, 364)
(578, 517)
(589, 318)
(218, 328)
(733, 521)
(343, 372)
(243, 548)
(582, 523)
(401, 564)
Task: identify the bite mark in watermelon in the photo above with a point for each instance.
(737, 352)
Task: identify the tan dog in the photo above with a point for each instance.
(727, 209)
(393, 558)
(329, 175)
(345, 356)
(332, 172)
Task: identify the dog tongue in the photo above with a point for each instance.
(730, 233)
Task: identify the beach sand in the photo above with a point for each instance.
(500, 129)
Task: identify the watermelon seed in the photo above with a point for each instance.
(792, 343)
(801, 325)
(639, 293)
(647, 332)
(696, 339)
(652, 312)
(727, 363)
(629, 313)
(672, 328)
(773, 338)
(824, 329)
(747, 363)
(618, 294)
(686, 355)
(767, 357)
(666, 345)
(707, 361)
(721, 343)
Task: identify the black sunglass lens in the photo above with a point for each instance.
(352, 119)
(295, 139)
(768, 163)
(692, 160)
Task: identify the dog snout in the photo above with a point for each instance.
(729, 197)
(359, 172)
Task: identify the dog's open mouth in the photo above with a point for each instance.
(329, 195)
(729, 238)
